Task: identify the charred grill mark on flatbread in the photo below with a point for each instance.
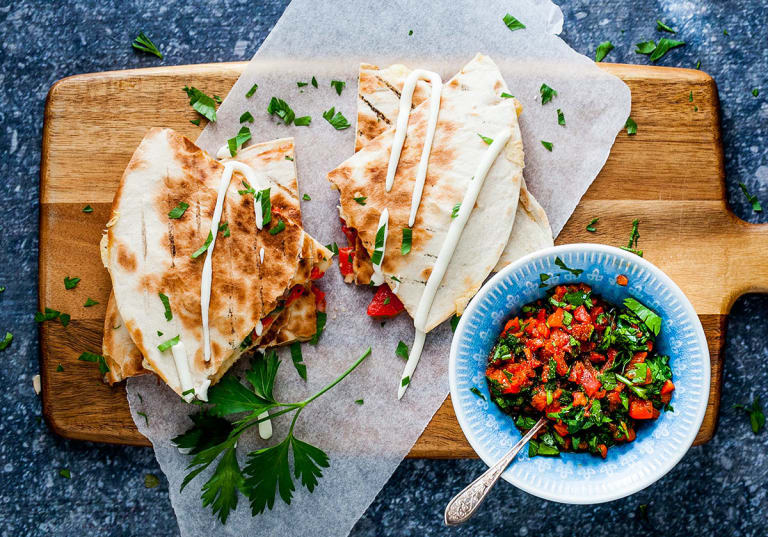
(392, 88)
(379, 113)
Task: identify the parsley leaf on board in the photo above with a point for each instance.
(298, 360)
(646, 47)
(97, 359)
(547, 93)
(267, 472)
(64, 319)
(512, 23)
(236, 142)
(314, 82)
(359, 401)
(70, 283)
(145, 44)
(602, 50)
(591, 226)
(202, 103)
(302, 121)
(338, 85)
(756, 415)
(195, 122)
(634, 235)
(751, 198)
(664, 46)
(336, 119)
(89, 209)
(302, 84)
(89, 302)
(6, 341)
(360, 200)
(247, 117)
(178, 211)
(631, 126)
(306, 197)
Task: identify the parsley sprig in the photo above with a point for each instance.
(145, 44)
(267, 471)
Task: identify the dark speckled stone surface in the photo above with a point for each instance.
(720, 488)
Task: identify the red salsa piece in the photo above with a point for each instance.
(587, 365)
(385, 303)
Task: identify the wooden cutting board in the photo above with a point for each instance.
(670, 176)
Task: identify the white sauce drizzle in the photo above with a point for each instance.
(403, 115)
(205, 285)
(378, 277)
(201, 390)
(182, 368)
(446, 253)
(259, 328)
(261, 255)
(223, 152)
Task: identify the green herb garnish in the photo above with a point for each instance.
(505, 95)
(359, 401)
(298, 360)
(336, 119)
(247, 116)
(406, 381)
(646, 47)
(560, 117)
(664, 46)
(64, 319)
(751, 198)
(89, 209)
(165, 345)
(402, 350)
(559, 262)
(602, 50)
(204, 247)
(547, 93)
(151, 481)
(477, 392)
(145, 44)
(235, 143)
(455, 210)
(512, 23)
(252, 91)
(178, 211)
(166, 305)
(360, 200)
(631, 126)
(266, 471)
(97, 359)
(302, 121)
(202, 103)
(302, 84)
(756, 415)
(59, 368)
(70, 283)
(634, 235)
(455, 322)
(664, 28)
(333, 247)
(648, 316)
(306, 197)
(195, 122)
(277, 228)
(224, 229)
(338, 85)
(6, 341)
(64, 472)
(278, 107)
(89, 302)
(405, 246)
(487, 140)
(320, 325)
(547, 145)
(755, 92)
(591, 226)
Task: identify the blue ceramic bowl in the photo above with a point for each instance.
(580, 477)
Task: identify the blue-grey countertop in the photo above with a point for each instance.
(720, 487)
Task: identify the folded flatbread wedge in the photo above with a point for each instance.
(471, 108)
(255, 272)
(378, 104)
(296, 322)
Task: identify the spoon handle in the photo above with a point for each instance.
(465, 503)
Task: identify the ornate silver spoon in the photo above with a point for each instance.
(465, 503)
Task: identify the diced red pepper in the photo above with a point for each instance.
(295, 293)
(596, 358)
(666, 391)
(561, 428)
(588, 380)
(349, 232)
(559, 293)
(579, 399)
(385, 303)
(513, 325)
(319, 297)
(345, 260)
(539, 400)
(582, 331)
(556, 319)
(640, 410)
(316, 274)
(622, 280)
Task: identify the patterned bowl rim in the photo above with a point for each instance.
(632, 259)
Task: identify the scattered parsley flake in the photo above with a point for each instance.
(265, 198)
(487, 140)
(166, 305)
(6, 341)
(145, 44)
(402, 350)
(756, 415)
(591, 226)
(559, 262)
(690, 97)
(247, 116)
(97, 359)
(89, 302)
(455, 322)
(338, 85)
(333, 247)
(646, 47)
(645, 314)
(165, 345)
(547, 145)
(602, 50)
(302, 121)
(48, 315)
(89, 209)
(306, 197)
(320, 326)
(505, 95)
(634, 235)
(178, 211)
(288, 158)
(405, 247)
(298, 360)
(359, 401)
(698, 64)
(195, 122)
(224, 229)
(217, 99)
(314, 82)
(751, 198)
(336, 119)
(664, 46)
(235, 143)
(477, 392)
(64, 319)
(547, 93)
(302, 84)
(631, 126)
(512, 23)
(277, 228)
(725, 32)
(64, 472)
(59, 368)
(278, 107)
(204, 247)
(70, 283)
(360, 199)
(560, 117)
(660, 26)
(455, 210)
(755, 92)
(144, 415)
(252, 91)
(202, 103)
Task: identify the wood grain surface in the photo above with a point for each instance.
(670, 176)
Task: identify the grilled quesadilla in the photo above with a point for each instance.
(178, 213)
(377, 107)
(471, 112)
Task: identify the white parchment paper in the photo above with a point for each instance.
(328, 40)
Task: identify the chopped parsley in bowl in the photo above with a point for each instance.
(587, 365)
(631, 291)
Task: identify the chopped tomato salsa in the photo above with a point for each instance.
(587, 365)
(385, 303)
